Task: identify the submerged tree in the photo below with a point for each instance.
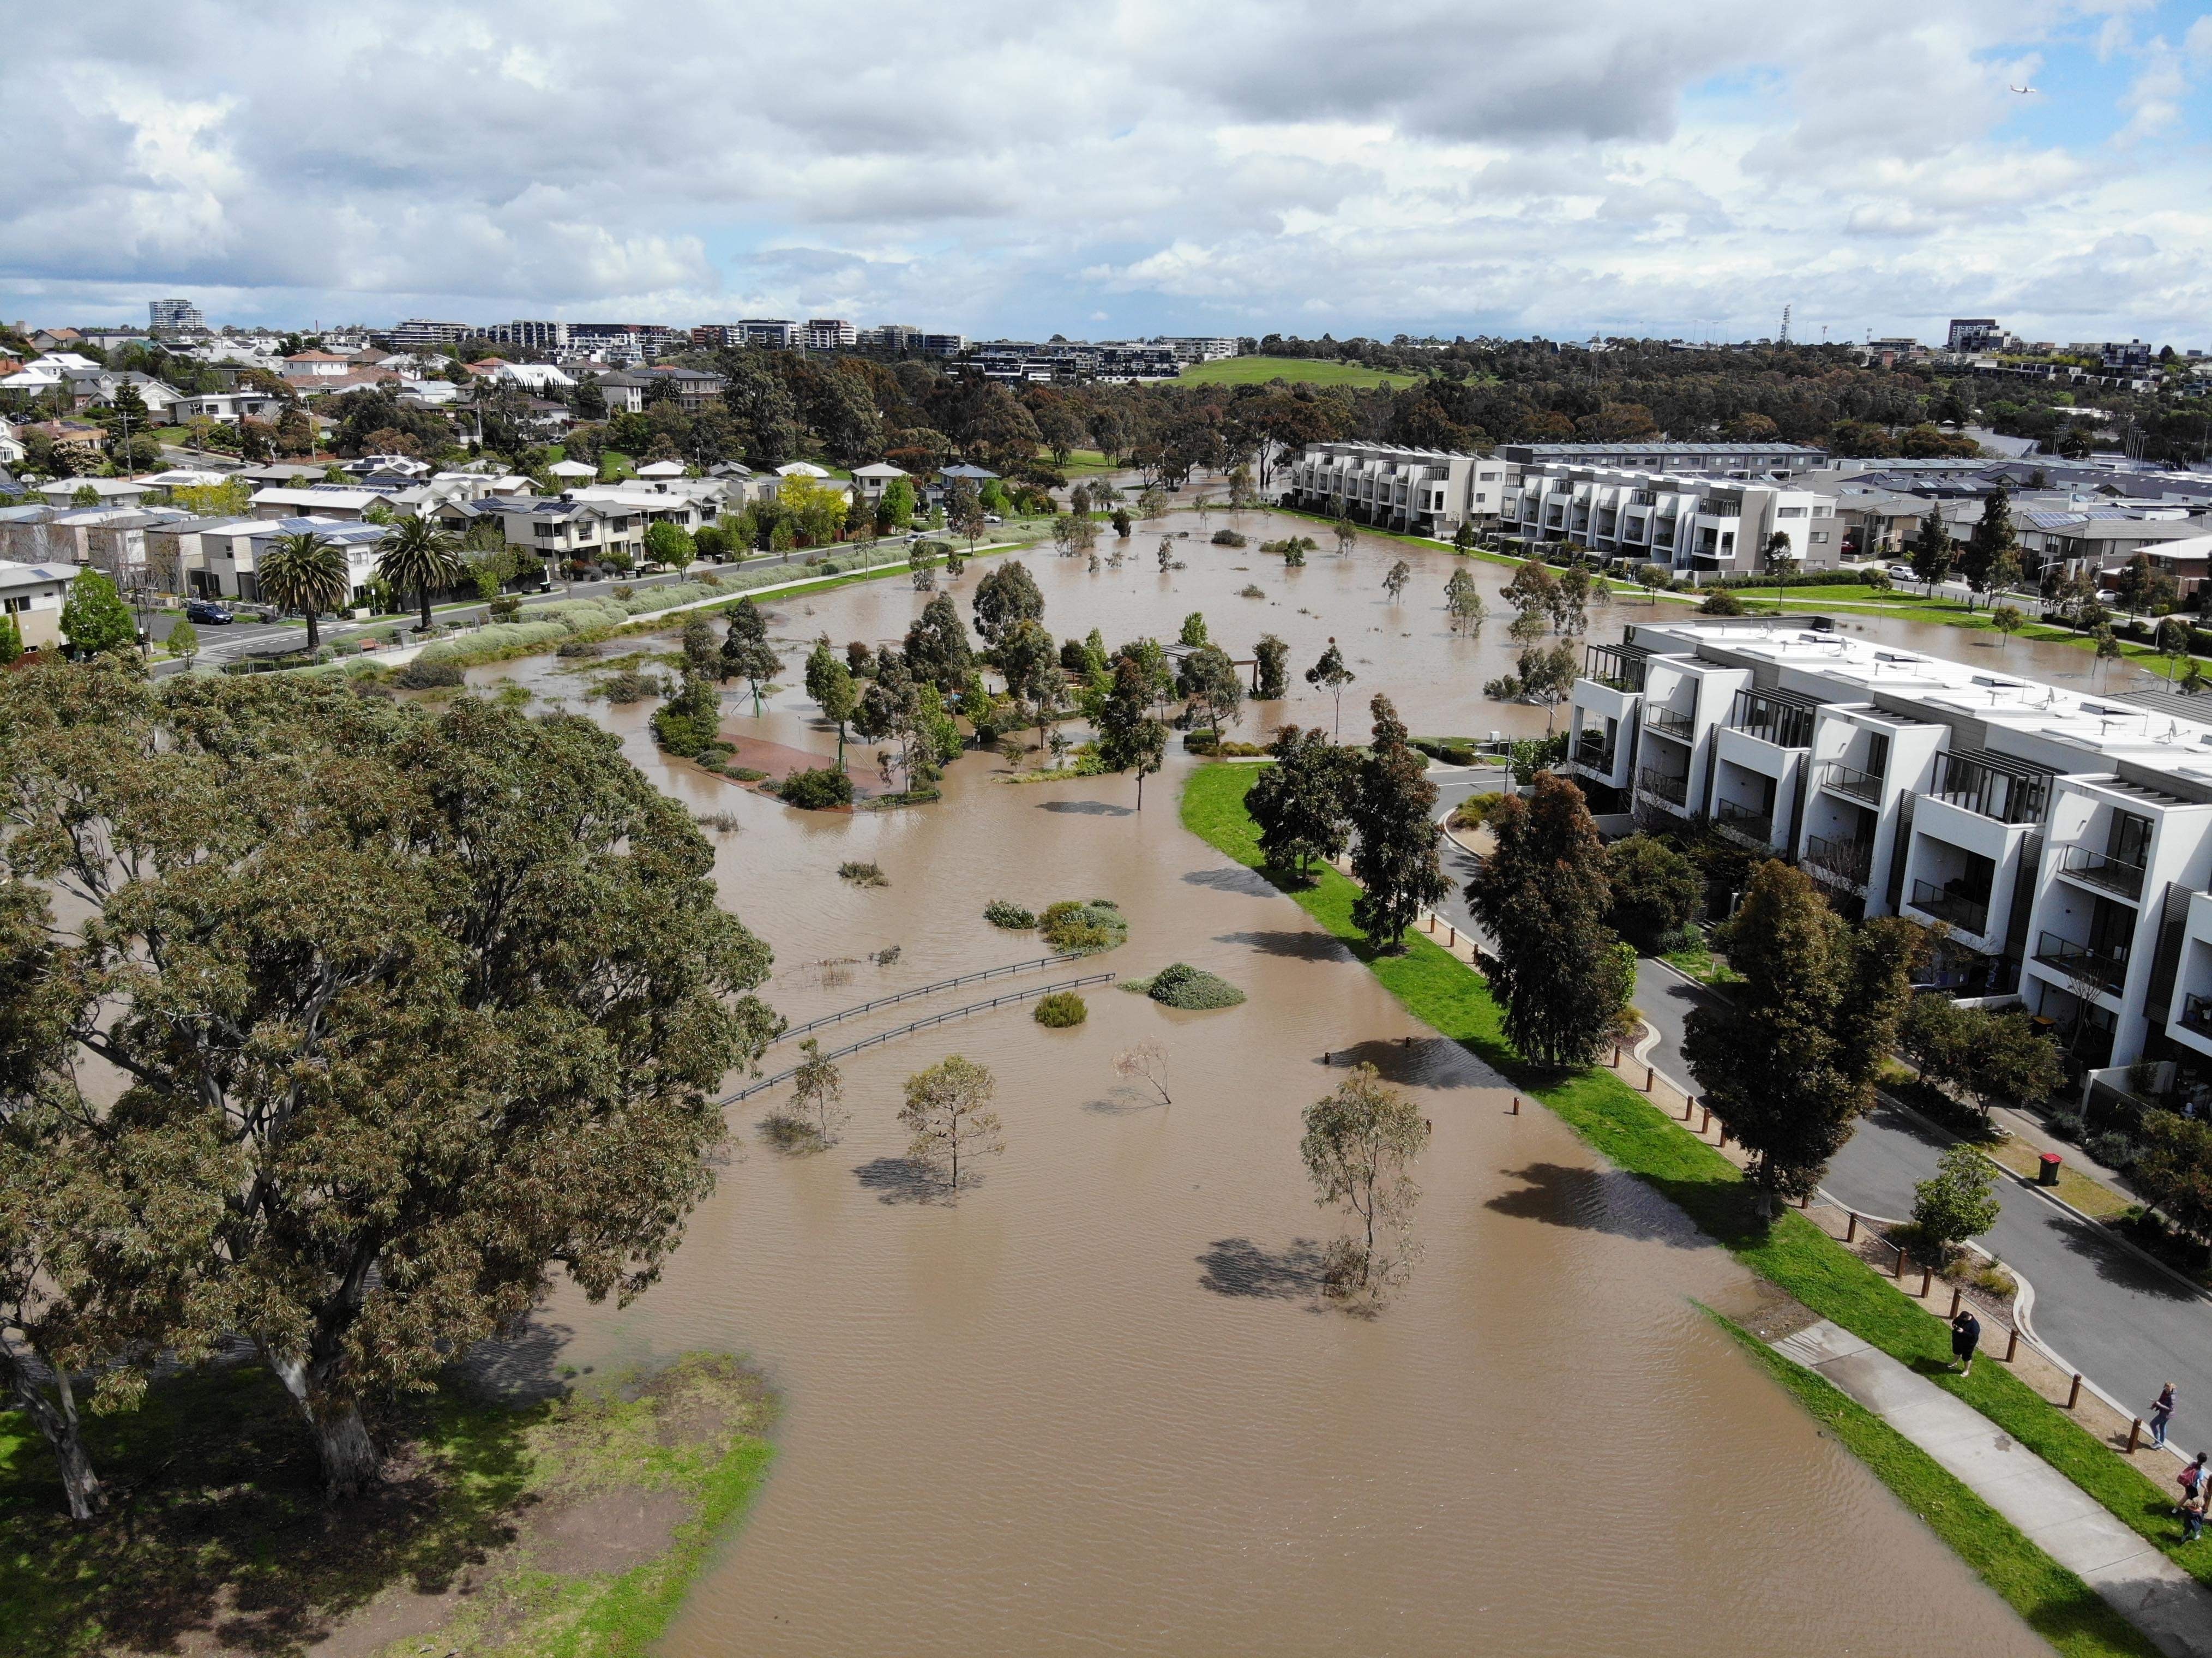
(1331, 675)
(1272, 658)
(1358, 1148)
(946, 1113)
(818, 1092)
(1128, 738)
(1146, 1063)
(830, 683)
(1463, 602)
(1004, 599)
(1542, 897)
(746, 654)
(937, 648)
(1392, 812)
(1395, 578)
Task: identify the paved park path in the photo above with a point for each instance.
(2169, 1606)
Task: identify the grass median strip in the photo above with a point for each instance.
(2054, 1603)
(1791, 1252)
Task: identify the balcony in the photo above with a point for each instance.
(1847, 780)
(1595, 754)
(1851, 861)
(1670, 722)
(1672, 787)
(1967, 914)
(1784, 725)
(1988, 791)
(1750, 826)
(1612, 667)
(2104, 871)
(2107, 970)
(2196, 1015)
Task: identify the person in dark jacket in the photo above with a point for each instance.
(1965, 1336)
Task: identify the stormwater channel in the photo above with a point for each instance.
(1096, 1405)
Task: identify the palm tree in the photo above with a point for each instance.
(304, 571)
(420, 554)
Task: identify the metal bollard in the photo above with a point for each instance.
(1454, 940)
(2134, 1435)
(1805, 1202)
(1649, 1076)
(1958, 1297)
(1898, 1271)
(1724, 1134)
(1706, 1121)
(1515, 1111)
(2074, 1392)
(1927, 1277)
(2012, 1345)
(1432, 924)
(1616, 1056)
(1852, 1226)
(1689, 1104)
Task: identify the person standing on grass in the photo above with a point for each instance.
(2192, 1478)
(2161, 1414)
(1965, 1336)
(2193, 1518)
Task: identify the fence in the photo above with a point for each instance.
(923, 1024)
(919, 990)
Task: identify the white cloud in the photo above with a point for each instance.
(1467, 164)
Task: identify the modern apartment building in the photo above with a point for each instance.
(1197, 348)
(829, 333)
(174, 317)
(769, 331)
(2059, 843)
(536, 335)
(1421, 491)
(420, 334)
(892, 337)
(1975, 334)
(944, 345)
(1741, 460)
(1686, 523)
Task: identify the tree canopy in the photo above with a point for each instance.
(433, 1003)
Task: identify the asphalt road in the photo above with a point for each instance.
(2123, 1323)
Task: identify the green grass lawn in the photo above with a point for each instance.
(1088, 463)
(219, 1518)
(1258, 371)
(1790, 1252)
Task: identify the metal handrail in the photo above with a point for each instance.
(1852, 860)
(1967, 914)
(1673, 788)
(1670, 722)
(919, 990)
(1753, 821)
(920, 1024)
(2106, 968)
(1848, 780)
(2101, 869)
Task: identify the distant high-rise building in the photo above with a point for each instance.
(828, 333)
(944, 345)
(174, 316)
(769, 331)
(892, 337)
(417, 333)
(539, 336)
(1974, 334)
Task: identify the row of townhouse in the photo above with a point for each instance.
(1429, 492)
(1684, 522)
(2058, 842)
(220, 557)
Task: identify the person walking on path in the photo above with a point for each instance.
(1965, 1336)
(2161, 1414)
(2193, 1518)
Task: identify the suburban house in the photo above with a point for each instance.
(317, 365)
(112, 492)
(332, 501)
(624, 391)
(871, 480)
(216, 557)
(74, 441)
(32, 596)
(227, 408)
(694, 387)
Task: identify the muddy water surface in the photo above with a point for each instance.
(1095, 1405)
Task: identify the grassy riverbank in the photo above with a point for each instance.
(1791, 1252)
(565, 1528)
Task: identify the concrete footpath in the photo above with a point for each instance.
(2169, 1606)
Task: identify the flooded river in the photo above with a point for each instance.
(1095, 1406)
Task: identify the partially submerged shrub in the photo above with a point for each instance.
(1074, 928)
(1180, 985)
(627, 686)
(1013, 917)
(817, 789)
(869, 874)
(1227, 539)
(1061, 1009)
(421, 676)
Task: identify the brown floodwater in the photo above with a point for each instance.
(1094, 1406)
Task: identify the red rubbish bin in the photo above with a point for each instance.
(2048, 1174)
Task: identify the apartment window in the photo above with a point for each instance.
(1818, 537)
(1878, 754)
(2128, 839)
(1789, 512)
(17, 607)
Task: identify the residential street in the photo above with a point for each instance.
(2124, 1324)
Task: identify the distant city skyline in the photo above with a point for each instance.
(1131, 171)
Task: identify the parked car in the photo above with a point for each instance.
(993, 518)
(206, 610)
(1902, 573)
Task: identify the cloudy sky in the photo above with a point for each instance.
(1234, 165)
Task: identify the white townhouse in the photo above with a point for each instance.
(219, 557)
(1429, 492)
(2061, 841)
(32, 596)
(1685, 523)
